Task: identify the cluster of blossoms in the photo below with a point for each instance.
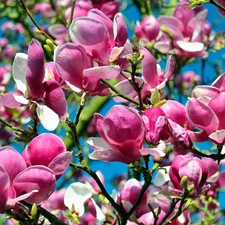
(148, 129)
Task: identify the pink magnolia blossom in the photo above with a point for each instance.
(205, 111)
(76, 67)
(33, 184)
(121, 140)
(49, 150)
(34, 86)
(148, 29)
(103, 39)
(194, 169)
(191, 32)
(129, 195)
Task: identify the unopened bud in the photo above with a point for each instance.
(155, 97)
(47, 48)
(34, 211)
(184, 182)
(50, 44)
(191, 188)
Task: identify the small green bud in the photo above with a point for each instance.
(34, 211)
(160, 103)
(155, 97)
(50, 44)
(189, 203)
(191, 188)
(184, 182)
(47, 48)
(30, 128)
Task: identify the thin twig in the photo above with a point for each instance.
(35, 23)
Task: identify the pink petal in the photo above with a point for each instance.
(120, 30)
(70, 61)
(92, 34)
(151, 76)
(43, 149)
(220, 81)
(92, 76)
(203, 90)
(218, 106)
(5, 185)
(202, 116)
(8, 100)
(55, 98)
(60, 163)
(35, 69)
(33, 178)
(11, 161)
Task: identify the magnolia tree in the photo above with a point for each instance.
(64, 61)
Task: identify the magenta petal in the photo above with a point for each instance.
(117, 126)
(120, 30)
(220, 82)
(151, 76)
(109, 155)
(92, 34)
(55, 98)
(98, 119)
(60, 163)
(202, 116)
(218, 106)
(33, 178)
(204, 91)
(9, 101)
(5, 184)
(92, 76)
(35, 69)
(11, 161)
(70, 61)
(43, 149)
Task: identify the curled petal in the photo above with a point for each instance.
(151, 76)
(220, 82)
(60, 163)
(48, 118)
(19, 71)
(120, 30)
(202, 116)
(5, 185)
(70, 61)
(55, 98)
(38, 178)
(76, 195)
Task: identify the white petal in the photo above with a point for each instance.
(19, 71)
(76, 195)
(162, 177)
(100, 217)
(48, 118)
(21, 99)
(190, 46)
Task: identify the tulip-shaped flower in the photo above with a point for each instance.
(49, 150)
(76, 67)
(122, 132)
(33, 184)
(103, 39)
(205, 112)
(194, 169)
(36, 88)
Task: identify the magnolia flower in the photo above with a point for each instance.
(121, 139)
(76, 67)
(29, 75)
(194, 169)
(49, 150)
(103, 39)
(33, 184)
